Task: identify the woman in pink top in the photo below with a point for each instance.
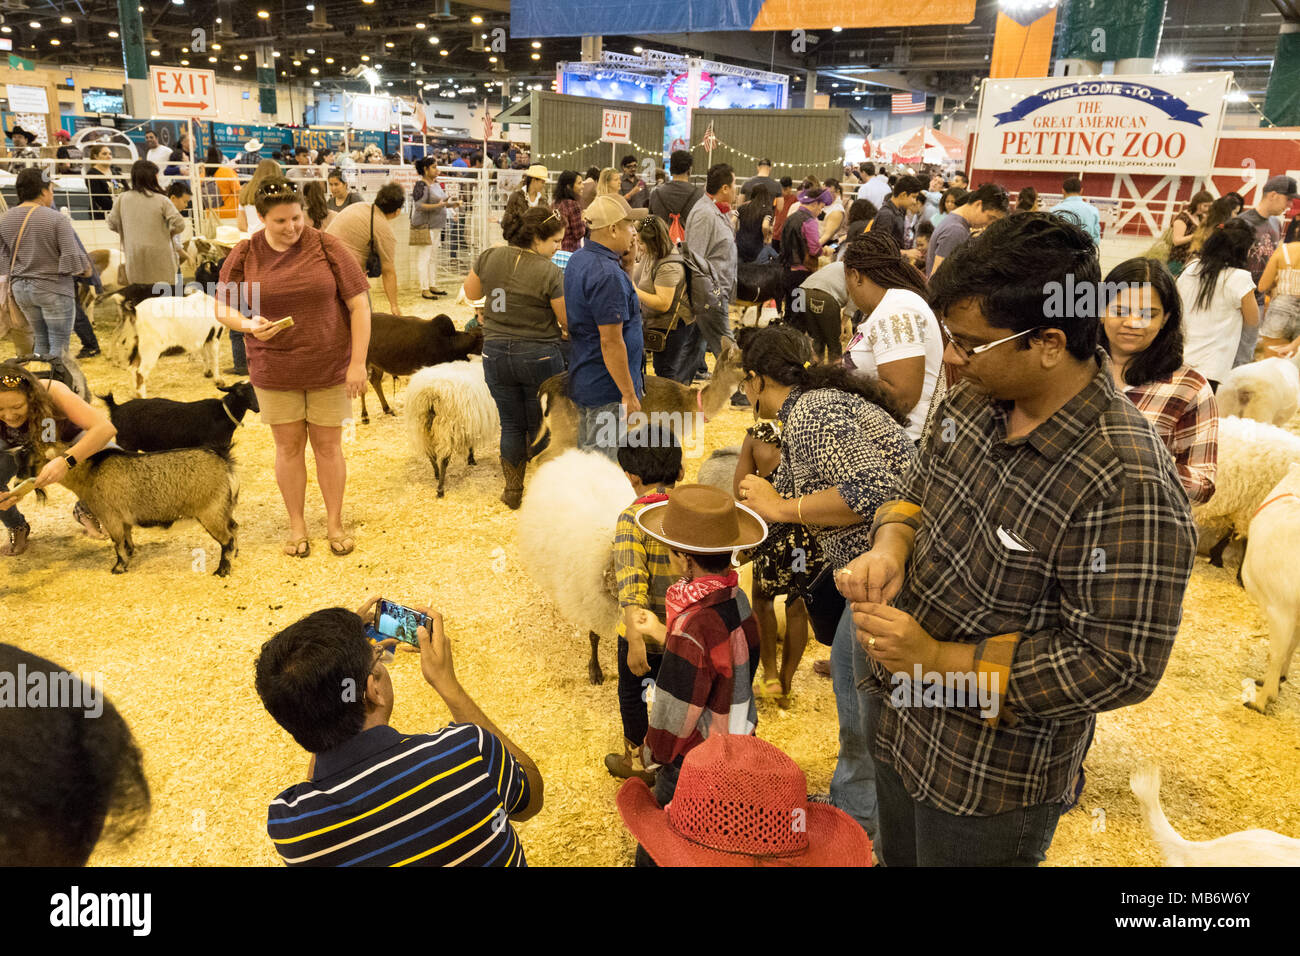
(305, 374)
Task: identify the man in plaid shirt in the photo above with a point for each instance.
(1037, 550)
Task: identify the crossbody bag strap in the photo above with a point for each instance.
(370, 243)
(21, 229)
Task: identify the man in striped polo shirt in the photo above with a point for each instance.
(375, 796)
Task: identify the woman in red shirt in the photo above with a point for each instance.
(306, 374)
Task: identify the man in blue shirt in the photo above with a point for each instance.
(1077, 210)
(605, 362)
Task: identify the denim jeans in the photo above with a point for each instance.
(599, 427)
(513, 368)
(631, 694)
(237, 352)
(666, 361)
(83, 329)
(853, 784)
(50, 314)
(913, 834)
(11, 517)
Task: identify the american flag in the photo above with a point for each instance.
(710, 141)
(907, 103)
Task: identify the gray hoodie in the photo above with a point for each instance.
(712, 254)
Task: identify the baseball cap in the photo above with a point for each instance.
(1281, 184)
(606, 210)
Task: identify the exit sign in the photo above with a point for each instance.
(181, 91)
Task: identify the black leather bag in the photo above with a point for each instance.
(374, 266)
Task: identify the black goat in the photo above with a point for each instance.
(402, 345)
(758, 282)
(160, 424)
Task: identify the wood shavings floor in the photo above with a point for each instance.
(176, 648)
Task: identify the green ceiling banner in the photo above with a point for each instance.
(18, 63)
(1112, 29)
(1282, 101)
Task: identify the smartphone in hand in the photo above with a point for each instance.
(399, 621)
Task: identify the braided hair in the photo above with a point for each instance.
(784, 354)
(876, 255)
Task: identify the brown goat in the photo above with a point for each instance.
(662, 396)
(402, 345)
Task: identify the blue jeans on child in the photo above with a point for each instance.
(50, 314)
(513, 369)
(914, 834)
(853, 784)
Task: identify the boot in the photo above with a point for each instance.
(514, 475)
(628, 764)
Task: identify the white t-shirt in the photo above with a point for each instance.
(1210, 336)
(901, 326)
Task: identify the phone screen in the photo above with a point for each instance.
(399, 621)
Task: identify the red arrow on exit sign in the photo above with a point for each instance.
(183, 91)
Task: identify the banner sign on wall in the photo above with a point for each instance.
(566, 18)
(1133, 124)
(27, 99)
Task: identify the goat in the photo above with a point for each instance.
(448, 411)
(154, 325)
(1267, 391)
(402, 345)
(1253, 457)
(664, 399)
(123, 489)
(160, 424)
(566, 540)
(1246, 848)
(756, 283)
(1271, 572)
(719, 469)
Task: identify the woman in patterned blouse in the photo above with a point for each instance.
(843, 449)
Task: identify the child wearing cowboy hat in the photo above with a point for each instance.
(710, 637)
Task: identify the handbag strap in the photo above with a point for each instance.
(370, 243)
(21, 229)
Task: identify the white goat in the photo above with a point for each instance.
(1271, 572)
(449, 411)
(1253, 457)
(1267, 390)
(1246, 848)
(155, 325)
(566, 538)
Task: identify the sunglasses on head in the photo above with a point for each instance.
(11, 381)
(276, 189)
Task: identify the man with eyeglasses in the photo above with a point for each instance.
(1029, 572)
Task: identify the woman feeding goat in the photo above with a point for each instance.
(523, 325)
(307, 373)
(1142, 331)
(36, 414)
(842, 449)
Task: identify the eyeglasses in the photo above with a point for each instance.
(965, 354)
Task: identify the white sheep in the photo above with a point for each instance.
(1247, 848)
(449, 411)
(1271, 572)
(566, 538)
(1252, 458)
(1267, 390)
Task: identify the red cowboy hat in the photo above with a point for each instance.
(741, 802)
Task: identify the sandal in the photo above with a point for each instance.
(17, 540)
(88, 521)
(342, 545)
(297, 549)
(766, 691)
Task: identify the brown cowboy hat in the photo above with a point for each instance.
(702, 519)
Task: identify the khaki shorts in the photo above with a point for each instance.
(327, 407)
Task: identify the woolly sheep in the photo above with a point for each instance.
(1246, 848)
(566, 538)
(1267, 391)
(1271, 572)
(1253, 457)
(719, 469)
(449, 411)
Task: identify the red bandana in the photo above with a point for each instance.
(685, 593)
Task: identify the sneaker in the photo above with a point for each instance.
(88, 352)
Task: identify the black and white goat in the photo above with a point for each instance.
(159, 424)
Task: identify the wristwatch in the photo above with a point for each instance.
(71, 461)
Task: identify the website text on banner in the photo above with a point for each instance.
(1134, 124)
